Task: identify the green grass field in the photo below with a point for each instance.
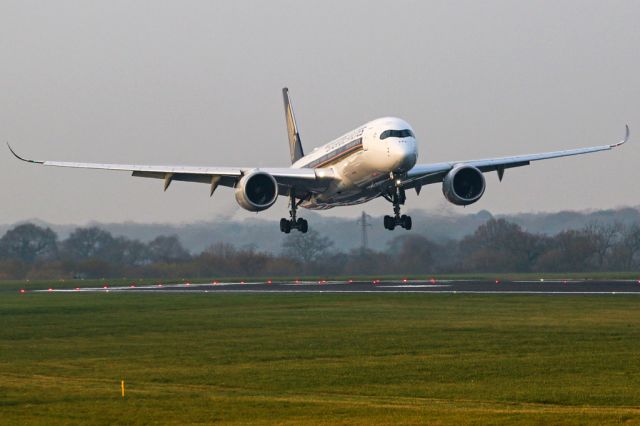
(318, 358)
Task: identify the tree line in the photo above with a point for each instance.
(33, 252)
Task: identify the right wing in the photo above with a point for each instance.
(302, 180)
(424, 174)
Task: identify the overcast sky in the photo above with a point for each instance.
(198, 83)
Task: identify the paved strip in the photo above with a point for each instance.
(550, 287)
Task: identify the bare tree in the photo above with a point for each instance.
(167, 248)
(568, 251)
(307, 247)
(627, 251)
(88, 243)
(499, 245)
(413, 253)
(604, 236)
(29, 242)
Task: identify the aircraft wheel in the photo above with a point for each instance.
(303, 225)
(285, 225)
(389, 223)
(405, 222)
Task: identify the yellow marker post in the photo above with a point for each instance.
(122, 386)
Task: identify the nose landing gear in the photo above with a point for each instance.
(397, 198)
(286, 225)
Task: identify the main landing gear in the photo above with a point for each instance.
(286, 225)
(397, 198)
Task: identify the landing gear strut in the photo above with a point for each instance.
(286, 225)
(397, 198)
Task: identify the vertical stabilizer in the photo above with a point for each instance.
(295, 145)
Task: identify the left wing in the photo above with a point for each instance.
(424, 174)
(303, 180)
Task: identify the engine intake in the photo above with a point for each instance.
(256, 191)
(463, 185)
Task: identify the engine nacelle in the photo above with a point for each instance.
(256, 191)
(463, 185)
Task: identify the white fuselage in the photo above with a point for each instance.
(361, 159)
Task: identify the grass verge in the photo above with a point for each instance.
(318, 358)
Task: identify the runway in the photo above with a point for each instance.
(542, 287)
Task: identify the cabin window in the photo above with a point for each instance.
(396, 134)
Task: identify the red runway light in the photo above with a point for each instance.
(404, 280)
(188, 284)
(50, 289)
(22, 290)
(105, 286)
(433, 280)
(77, 288)
(241, 282)
(497, 281)
(269, 281)
(350, 281)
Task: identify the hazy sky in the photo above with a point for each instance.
(198, 82)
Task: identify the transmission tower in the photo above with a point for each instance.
(364, 224)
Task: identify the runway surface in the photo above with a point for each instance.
(548, 287)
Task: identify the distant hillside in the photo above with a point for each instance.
(345, 233)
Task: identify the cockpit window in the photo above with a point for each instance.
(396, 134)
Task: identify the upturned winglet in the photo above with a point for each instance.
(626, 138)
(23, 159)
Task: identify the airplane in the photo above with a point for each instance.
(377, 159)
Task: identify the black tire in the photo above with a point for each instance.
(403, 220)
(303, 225)
(285, 226)
(407, 223)
(389, 223)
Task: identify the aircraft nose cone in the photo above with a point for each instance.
(403, 155)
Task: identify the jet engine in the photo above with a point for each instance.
(463, 185)
(256, 191)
